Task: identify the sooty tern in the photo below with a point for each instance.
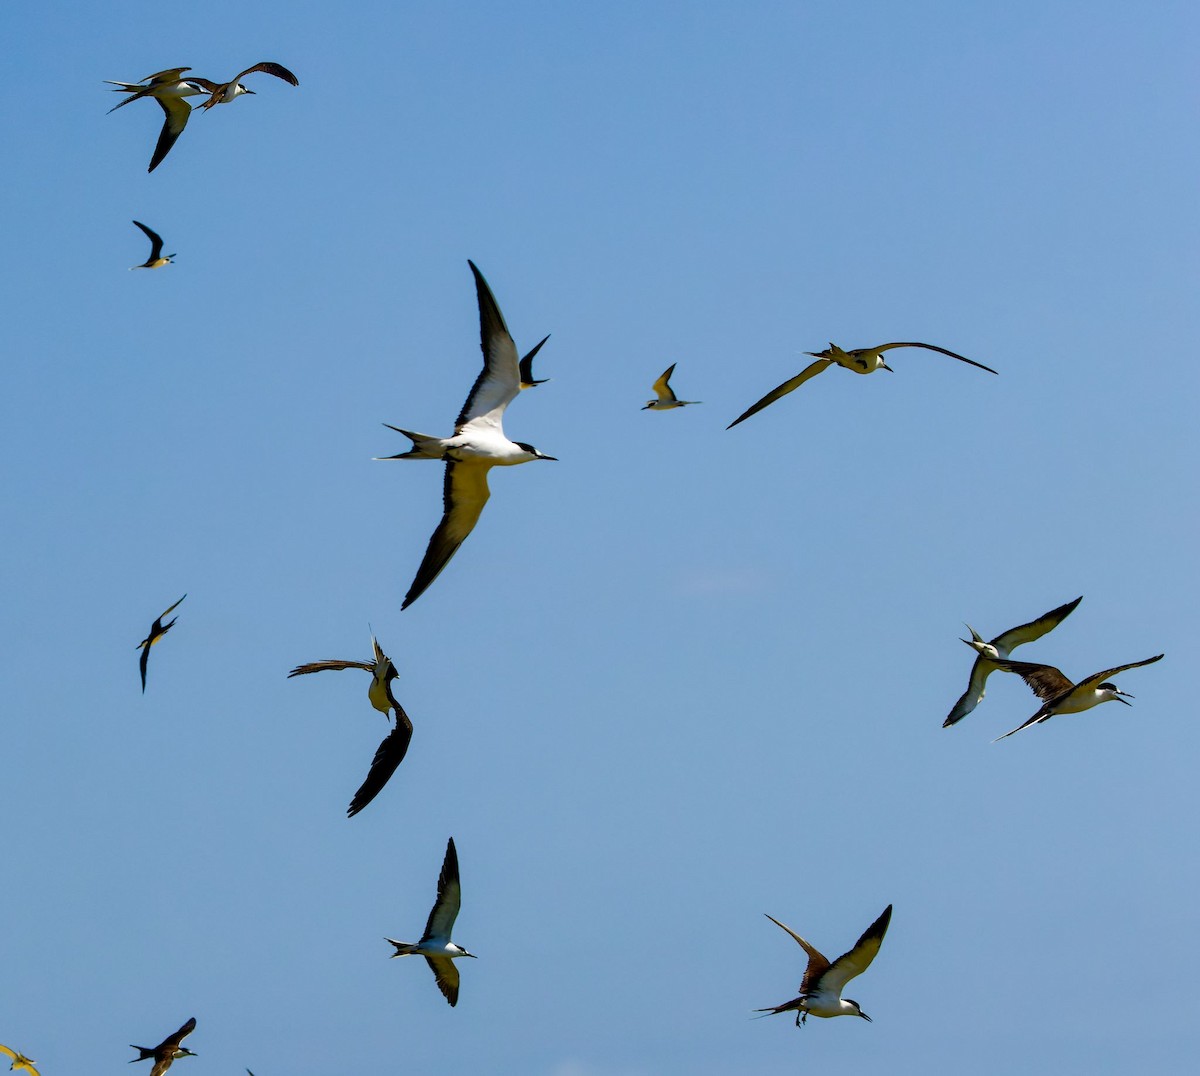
(862, 360)
(666, 396)
(157, 630)
(157, 259)
(394, 747)
(168, 1050)
(221, 93)
(1060, 696)
(821, 990)
(19, 1060)
(1000, 647)
(168, 89)
(478, 444)
(435, 944)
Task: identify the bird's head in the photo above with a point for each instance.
(1112, 692)
(857, 1010)
(534, 452)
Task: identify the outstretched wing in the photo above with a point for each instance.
(388, 756)
(268, 68)
(177, 111)
(526, 366)
(449, 897)
(500, 379)
(788, 386)
(858, 959)
(1046, 681)
(446, 975)
(661, 387)
(1108, 674)
(1035, 629)
(941, 350)
(972, 697)
(322, 666)
(465, 492)
(817, 963)
(156, 245)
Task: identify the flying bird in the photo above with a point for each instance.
(156, 259)
(394, 747)
(1060, 696)
(821, 990)
(862, 360)
(157, 630)
(168, 1050)
(19, 1060)
(435, 944)
(526, 366)
(221, 93)
(478, 444)
(1000, 647)
(168, 88)
(666, 398)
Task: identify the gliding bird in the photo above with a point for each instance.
(168, 89)
(394, 747)
(862, 360)
(435, 944)
(157, 630)
(168, 1050)
(666, 398)
(821, 990)
(156, 259)
(20, 1061)
(1060, 696)
(1000, 647)
(224, 92)
(478, 443)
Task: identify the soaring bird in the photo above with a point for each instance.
(168, 1050)
(19, 1060)
(1060, 696)
(221, 93)
(435, 944)
(478, 444)
(1000, 647)
(665, 397)
(168, 88)
(157, 259)
(821, 990)
(392, 750)
(862, 360)
(157, 630)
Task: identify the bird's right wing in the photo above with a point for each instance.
(810, 370)
(268, 68)
(322, 666)
(156, 245)
(500, 379)
(972, 697)
(661, 388)
(1045, 680)
(464, 493)
(817, 963)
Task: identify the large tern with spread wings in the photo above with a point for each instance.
(478, 444)
(821, 990)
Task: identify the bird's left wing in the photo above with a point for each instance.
(465, 492)
(858, 959)
(388, 756)
(449, 897)
(811, 370)
(1035, 629)
(662, 389)
(940, 350)
(1107, 674)
(446, 975)
(268, 68)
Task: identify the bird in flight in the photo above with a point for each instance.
(168, 1050)
(157, 630)
(665, 395)
(394, 747)
(862, 360)
(1060, 696)
(168, 88)
(478, 444)
(156, 260)
(821, 990)
(221, 93)
(19, 1060)
(435, 944)
(1000, 647)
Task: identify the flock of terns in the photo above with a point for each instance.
(478, 444)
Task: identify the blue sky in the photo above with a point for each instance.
(683, 676)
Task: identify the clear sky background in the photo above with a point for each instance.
(683, 676)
